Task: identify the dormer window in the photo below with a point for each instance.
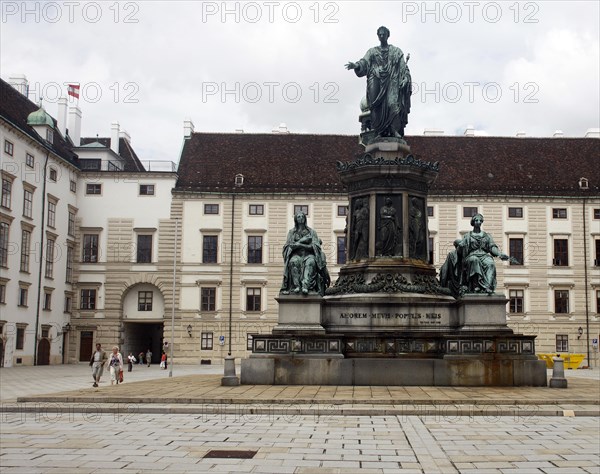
(49, 135)
(583, 183)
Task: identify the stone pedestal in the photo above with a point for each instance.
(482, 312)
(230, 379)
(558, 379)
(299, 314)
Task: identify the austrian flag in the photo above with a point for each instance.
(73, 90)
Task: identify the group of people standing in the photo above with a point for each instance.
(100, 358)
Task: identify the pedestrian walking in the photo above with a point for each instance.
(97, 362)
(130, 361)
(141, 358)
(163, 361)
(116, 366)
(149, 357)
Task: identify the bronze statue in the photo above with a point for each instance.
(305, 266)
(416, 235)
(470, 268)
(360, 230)
(390, 231)
(389, 86)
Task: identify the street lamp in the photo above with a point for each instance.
(189, 330)
(229, 378)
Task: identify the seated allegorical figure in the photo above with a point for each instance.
(305, 265)
(470, 268)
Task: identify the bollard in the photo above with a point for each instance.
(558, 379)
(230, 379)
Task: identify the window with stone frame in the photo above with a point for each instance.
(342, 211)
(211, 209)
(249, 339)
(144, 248)
(47, 304)
(597, 252)
(6, 193)
(206, 341)
(9, 148)
(516, 250)
(516, 301)
(69, 264)
(253, 299)
(29, 160)
(341, 250)
(90, 248)
(209, 248)
(2, 292)
(88, 299)
(25, 249)
(208, 299)
(469, 211)
(559, 213)
(598, 301)
(562, 343)
(255, 248)
(71, 223)
(23, 295)
(50, 246)
(515, 212)
(51, 214)
(561, 253)
(27, 202)
(20, 339)
(561, 301)
(256, 209)
(4, 238)
(301, 208)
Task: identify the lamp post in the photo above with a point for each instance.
(229, 377)
(173, 297)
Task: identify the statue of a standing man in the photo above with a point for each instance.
(389, 86)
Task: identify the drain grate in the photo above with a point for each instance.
(229, 454)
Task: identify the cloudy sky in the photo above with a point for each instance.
(501, 66)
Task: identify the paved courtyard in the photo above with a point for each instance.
(64, 425)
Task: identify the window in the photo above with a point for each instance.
(93, 188)
(6, 193)
(88, 299)
(301, 208)
(27, 203)
(3, 293)
(68, 304)
(256, 209)
(469, 211)
(23, 296)
(52, 175)
(515, 304)
(49, 135)
(515, 250)
(88, 164)
(597, 213)
(431, 246)
(8, 148)
(47, 305)
(25, 249)
(4, 228)
(208, 298)
(114, 166)
(561, 301)
(73, 186)
(49, 258)
(144, 301)
(146, 190)
(255, 249)
(430, 211)
(144, 249)
(342, 211)
(341, 250)
(20, 343)
(561, 253)
(252, 299)
(597, 253)
(211, 209)
(562, 343)
(71, 223)
(515, 212)
(209, 249)
(206, 341)
(29, 160)
(559, 213)
(90, 248)
(597, 301)
(52, 214)
(69, 263)
(249, 338)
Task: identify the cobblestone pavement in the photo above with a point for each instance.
(110, 430)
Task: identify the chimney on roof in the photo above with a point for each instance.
(592, 133)
(521, 134)
(75, 125)
(62, 115)
(114, 137)
(188, 128)
(470, 131)
(432, 132)
(239, 130)
(20, 82)
(281, 129)
(558, 134)
(125, 134)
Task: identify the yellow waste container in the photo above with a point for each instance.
(571, 361)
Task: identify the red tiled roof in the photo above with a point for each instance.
(468, 165)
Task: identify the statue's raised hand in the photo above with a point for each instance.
(350, 65)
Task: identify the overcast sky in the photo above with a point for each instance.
(502, 66)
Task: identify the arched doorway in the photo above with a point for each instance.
(43, 355)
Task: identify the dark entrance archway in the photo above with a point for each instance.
(43, 353)
(141, 336)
